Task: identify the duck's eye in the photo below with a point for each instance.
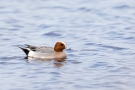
(61, 44)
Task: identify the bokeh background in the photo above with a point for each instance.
(100, 33)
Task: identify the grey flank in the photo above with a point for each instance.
(42, 49)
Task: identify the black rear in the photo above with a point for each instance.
(25, 50)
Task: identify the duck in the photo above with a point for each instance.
(45, 52)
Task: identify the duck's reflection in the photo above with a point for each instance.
(56, 62)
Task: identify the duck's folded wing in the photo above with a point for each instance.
(44, 49)
(41, 49)
(38, 50)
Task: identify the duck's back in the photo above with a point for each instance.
(44, 49)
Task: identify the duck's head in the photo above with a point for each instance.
(59, 46)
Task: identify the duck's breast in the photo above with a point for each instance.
(59, 55)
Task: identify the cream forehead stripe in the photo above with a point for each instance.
(63, 43)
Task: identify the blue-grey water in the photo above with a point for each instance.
(100, 33)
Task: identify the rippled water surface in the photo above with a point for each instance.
(100, 33)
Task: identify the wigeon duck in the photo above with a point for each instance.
(44, 52)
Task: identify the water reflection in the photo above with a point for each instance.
(56, 62)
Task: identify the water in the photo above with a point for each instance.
(100, 33)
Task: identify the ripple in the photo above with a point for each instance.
(105, 46)
(56, 73)
(6, 39)
(99, 64)
(17, 26)
(121, 69)
(53, 33)
(55, 7)
(122, 7)
(44, 26)
(84, 9)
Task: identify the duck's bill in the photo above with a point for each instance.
(67, 48)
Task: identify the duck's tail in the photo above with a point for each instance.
(25, 50)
